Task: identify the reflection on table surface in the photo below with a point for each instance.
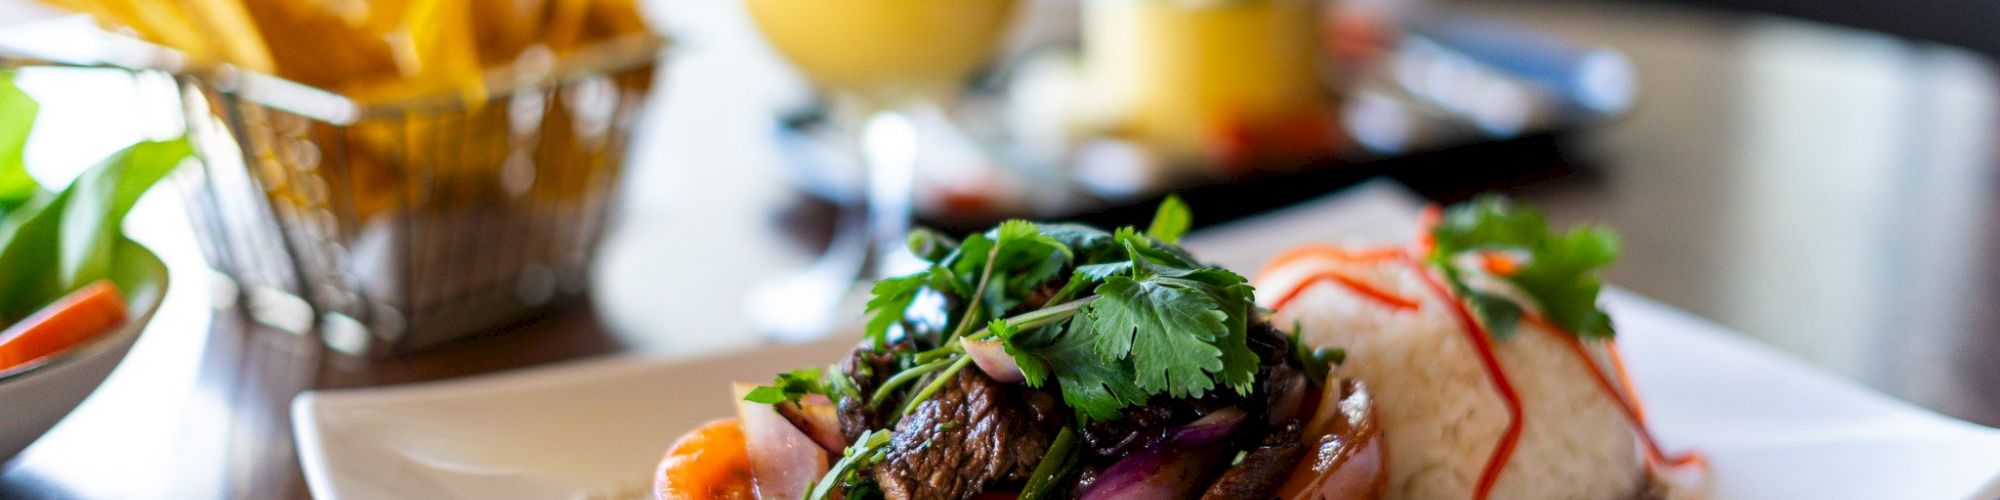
(1826, 190)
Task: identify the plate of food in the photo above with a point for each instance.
(1373, 353)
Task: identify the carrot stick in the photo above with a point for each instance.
(70, 321)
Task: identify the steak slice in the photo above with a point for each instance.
(972, 435)
(1263, 469)
(867, 369)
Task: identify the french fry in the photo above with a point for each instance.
(235, 37)
(378, 49)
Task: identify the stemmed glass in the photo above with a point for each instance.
(888, 63)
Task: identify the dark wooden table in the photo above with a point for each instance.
(1829, 191)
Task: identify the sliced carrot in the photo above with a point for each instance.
(70, 321)
(710, 462)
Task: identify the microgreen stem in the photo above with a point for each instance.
(941, 352)
(978, 292)
(904, 377)
(936, 383)
(1068, 290)
(1040, 317)
(1055, 468)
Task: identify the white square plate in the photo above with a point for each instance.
(1772, 427)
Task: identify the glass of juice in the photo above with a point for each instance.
(887, 64)
(1214, 81)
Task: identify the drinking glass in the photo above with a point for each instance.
(1208, 81)
(887, 63)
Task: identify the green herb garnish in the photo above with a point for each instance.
(1561, 272)
(789, 387)
(1136, 317)
(1315, 362)
(1051, 478)
(845, 474)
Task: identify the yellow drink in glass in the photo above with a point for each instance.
(884, 50)
(1185, 75)
(891, 59)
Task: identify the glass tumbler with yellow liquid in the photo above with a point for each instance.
(888, 63)
(1212, 80)
(889, 53)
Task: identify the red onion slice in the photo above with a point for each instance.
(1289, 401)
(1175, 468)
(783, 460)
(993, 359)
(1346, 456)
(818, 418)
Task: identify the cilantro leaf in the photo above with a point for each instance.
(1166, 327)
(930, 245)
(1027, 258)
(1098, 272)
(1239, 363)
(1564, 278)
(1033, 371)
(1089, 245)
(1562, 273)
(1095, 388)
(1489, 222)
(1170, 221)
(790, 387)
(891, 299)
(1498, 313)
(1154, 255)
(1138, 318)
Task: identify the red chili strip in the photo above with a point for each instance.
(1426, 228)
(1628, 399)
(1363, 288)
(1330, 252)
(1483, 344)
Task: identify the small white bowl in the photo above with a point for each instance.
(34, 397)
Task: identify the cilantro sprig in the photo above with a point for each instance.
(1562, 272)
(791, 386)
(1134, 316)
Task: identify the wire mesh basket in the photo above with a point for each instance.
(391, 227)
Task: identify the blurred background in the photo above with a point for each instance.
(679, 178)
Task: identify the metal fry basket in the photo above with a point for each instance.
(389, 227)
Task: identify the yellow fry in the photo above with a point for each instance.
(229, 27)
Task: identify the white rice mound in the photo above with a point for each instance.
(1441, 414)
